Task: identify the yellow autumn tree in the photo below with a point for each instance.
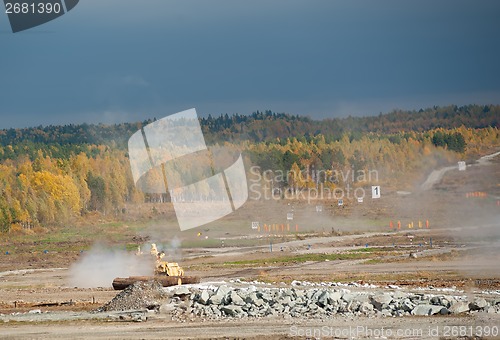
(58, 194)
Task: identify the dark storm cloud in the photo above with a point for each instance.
(127, 60)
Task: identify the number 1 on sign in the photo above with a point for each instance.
(376, 191)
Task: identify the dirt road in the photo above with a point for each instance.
(336, 327)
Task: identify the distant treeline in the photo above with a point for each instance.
(65, 140)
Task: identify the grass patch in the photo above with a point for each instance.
(375, 261)
(372, 250)
(300, 259)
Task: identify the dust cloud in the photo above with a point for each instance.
(100, 265)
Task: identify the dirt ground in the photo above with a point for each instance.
(335, 328)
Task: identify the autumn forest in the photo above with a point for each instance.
(55, 175)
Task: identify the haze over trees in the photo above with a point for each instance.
(54, 175)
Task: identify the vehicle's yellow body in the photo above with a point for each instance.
(163, 267)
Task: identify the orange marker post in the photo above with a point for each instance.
(427, 223)
(296, 227)
(399, 225)
(390, 225)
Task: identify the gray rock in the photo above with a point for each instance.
(287, 300)
(334, 296)
(478, 304)
(491, 310)
(386, 313)
(235, 299)
(445, 302)
(278, 307)
(435, 300)
(268, 311)
(254, 300)
(207, 311)
(182, 290)
(399, 313)
(216, 299)
(299, 293)
(342, 307)
(265, 296)
(444, 311)
(259, 303)
(348, 297)
(363, 298)
(242, 294)
(223, 290)
(381, 301)
(231, 310)
(167, 308)
(204, 297)
(426, 310)
(323, 299)
(459, 307)
(366, 307)
(215, 310)
(407, 305)
(252, 313)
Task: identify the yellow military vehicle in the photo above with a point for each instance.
(164, 267)
(166, 273)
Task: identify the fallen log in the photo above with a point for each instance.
(121, 283)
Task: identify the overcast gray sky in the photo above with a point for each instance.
(122, 60)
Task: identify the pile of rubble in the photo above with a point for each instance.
(141, 295)
(216, 302)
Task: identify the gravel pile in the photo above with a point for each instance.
(141, 295)
(224, 301)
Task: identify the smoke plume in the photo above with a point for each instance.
(99, 266)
